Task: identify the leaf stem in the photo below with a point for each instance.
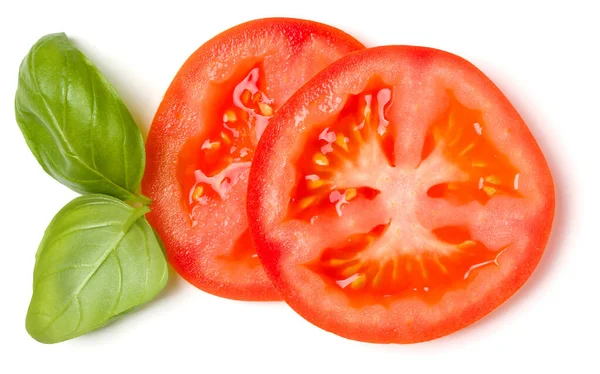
(136, 199)
(144, 199)
(137, 213)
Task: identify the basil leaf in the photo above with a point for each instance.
(75, 123)
(98, 259)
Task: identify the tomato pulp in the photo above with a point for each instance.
(202, 141)
(398, 196)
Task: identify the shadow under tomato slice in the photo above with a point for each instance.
(412, 208)
(202, 142)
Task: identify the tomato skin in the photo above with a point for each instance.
(291, 51)
(407, 320)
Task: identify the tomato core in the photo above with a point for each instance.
(402, 255)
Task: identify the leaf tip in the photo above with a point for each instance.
(33, 325)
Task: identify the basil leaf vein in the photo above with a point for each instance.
(99, 258)
(75, 123)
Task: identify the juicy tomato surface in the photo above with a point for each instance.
(398, 196)
(202, 141)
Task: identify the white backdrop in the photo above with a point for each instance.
(544, 57)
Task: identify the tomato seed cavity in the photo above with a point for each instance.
(212, 162)
(365, 265)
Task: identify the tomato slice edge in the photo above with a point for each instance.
(168, 133)
(263, 223)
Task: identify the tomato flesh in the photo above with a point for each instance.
(210, 164)
(409, 208)
(202, 142)
(362, 266)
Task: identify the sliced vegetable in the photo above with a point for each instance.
(202, 141)
(398, 196)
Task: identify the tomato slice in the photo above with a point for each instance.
(398, 196)
(203, 138)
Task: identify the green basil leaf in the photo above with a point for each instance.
(99, 258)
(75, 123)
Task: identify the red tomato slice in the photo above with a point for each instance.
(399, 197)
(202, 141)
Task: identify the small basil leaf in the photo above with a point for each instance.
(98, 258)
(75, 123)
